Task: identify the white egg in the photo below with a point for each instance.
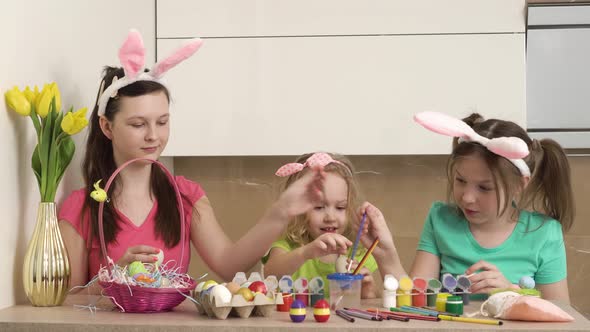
(221, 294)
(342, 264)
(160, 256)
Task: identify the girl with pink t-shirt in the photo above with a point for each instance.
(131, 120)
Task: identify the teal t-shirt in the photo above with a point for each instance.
(314, 267)
(535, 248)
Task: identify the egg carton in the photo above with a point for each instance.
(213, 306)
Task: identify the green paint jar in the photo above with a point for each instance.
(454, 305)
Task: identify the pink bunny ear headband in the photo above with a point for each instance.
(132, 57)
(511, 148)
(317, 159)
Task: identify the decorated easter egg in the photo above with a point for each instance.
(297, 311)
(321, 311)
(246, 293)
(208, 284)
(258, 287)
(136, 267)
(232, 287)
(220, 293)
(526, 282)
(165, 282)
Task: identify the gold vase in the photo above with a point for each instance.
(46, 269)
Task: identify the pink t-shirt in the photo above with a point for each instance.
(130, 234)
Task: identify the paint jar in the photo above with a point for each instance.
(314, 297)
(345, 290)
(454, 305)
(404, 298)
(441, 301)
(287, 301)
(389, 299)
(303, 297)
(418, 298)
(434, 286)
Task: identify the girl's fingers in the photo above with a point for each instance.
(143, 249)
(481, 265)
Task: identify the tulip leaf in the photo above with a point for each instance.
(36, 165)
(65, 151)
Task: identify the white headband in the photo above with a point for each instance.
(511, 148)
(132, 57)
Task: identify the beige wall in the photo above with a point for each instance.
(403, 187)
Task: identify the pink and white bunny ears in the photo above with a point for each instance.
(132, 57)
(511, 148)
(317, 159)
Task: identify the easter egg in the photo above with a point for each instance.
(136, 268)
(526, 282)
(220, 293)
(208, 284)
(233, 287)
(258, 287)
(321, 311)
(342, 264)
(246, 294)
(160, 257)
(297, 311)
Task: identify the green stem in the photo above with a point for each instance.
(35, 119)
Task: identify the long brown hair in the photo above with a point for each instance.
(549, 190)
(297, 233)
(99, 163)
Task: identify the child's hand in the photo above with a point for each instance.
(487, 280)
(375, 226)
(303, 194)
(142, 253)
(326, 244)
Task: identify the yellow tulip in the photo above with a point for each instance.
(57, 95)
(43, 100)
(31, 95)
(74, 122)
(17, 101)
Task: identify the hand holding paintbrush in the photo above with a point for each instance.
(385, 252)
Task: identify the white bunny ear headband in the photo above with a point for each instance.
(511, 148)
(132, 57)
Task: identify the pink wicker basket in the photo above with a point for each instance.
(137, 298)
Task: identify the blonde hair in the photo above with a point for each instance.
(549, 190)
(297, 232)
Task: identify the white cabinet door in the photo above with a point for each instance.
(347, 94)
(234, 18)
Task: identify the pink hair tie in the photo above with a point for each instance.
(317, 159)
